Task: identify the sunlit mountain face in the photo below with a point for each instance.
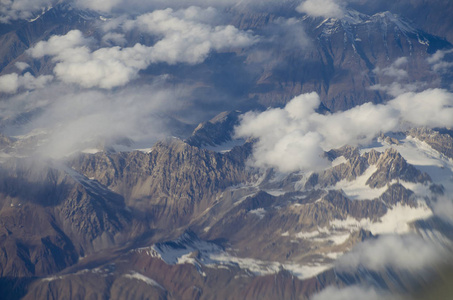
(201, 149)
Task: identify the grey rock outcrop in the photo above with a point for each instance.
(392, 166)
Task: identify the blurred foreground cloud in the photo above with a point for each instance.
(351, 293)
(408, 252)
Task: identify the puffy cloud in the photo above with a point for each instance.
(114, 38)
(430, 108)
(323, 8)
(408, 252)
(10, 83)
(59, 45)
(285, 138)
(294, 138)
(183, 39)
(352, 293)
(11, 10)
(186, 35)
(21, 65)
(105, 67)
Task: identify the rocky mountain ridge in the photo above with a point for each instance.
(193, 217)
(269, 214)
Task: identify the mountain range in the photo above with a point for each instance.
(231, 150)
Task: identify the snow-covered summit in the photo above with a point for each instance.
(386, 20)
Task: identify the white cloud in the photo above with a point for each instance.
(22, 65)
(11, 10)
(285, 138)
(10, 83)
(137, 6)
(351, 293)
(59, 45)
(295, 137)
(396, 88)
(183, 39)
(323, 8)
(186, 35)
(99, 5)
(438, 56)
(437, 61)
(105, 67)
(287, 34)
(396, 74)
(443, 208)
(114, 38)
(408, 252)
(430, 108)
(74, 120)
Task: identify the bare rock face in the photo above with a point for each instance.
(19, 36)
(108, 225)
(372, 157)
(341, 57)
(173, 181)
(345, 151)
(216, 131)
(350, 170)
(391, 165)
(49, 219)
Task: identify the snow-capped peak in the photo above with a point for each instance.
(353, 17)
(387, 18)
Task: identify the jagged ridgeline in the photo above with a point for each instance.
(113, 185)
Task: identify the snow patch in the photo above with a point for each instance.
(338, 161)
(225, 147)
(358, 189)
(147, 280)
(260, 267)
(259, 212)
(275, 193)
(324, 235)
(307, 235)
(426, 159)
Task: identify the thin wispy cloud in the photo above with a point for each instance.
(71, 120)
